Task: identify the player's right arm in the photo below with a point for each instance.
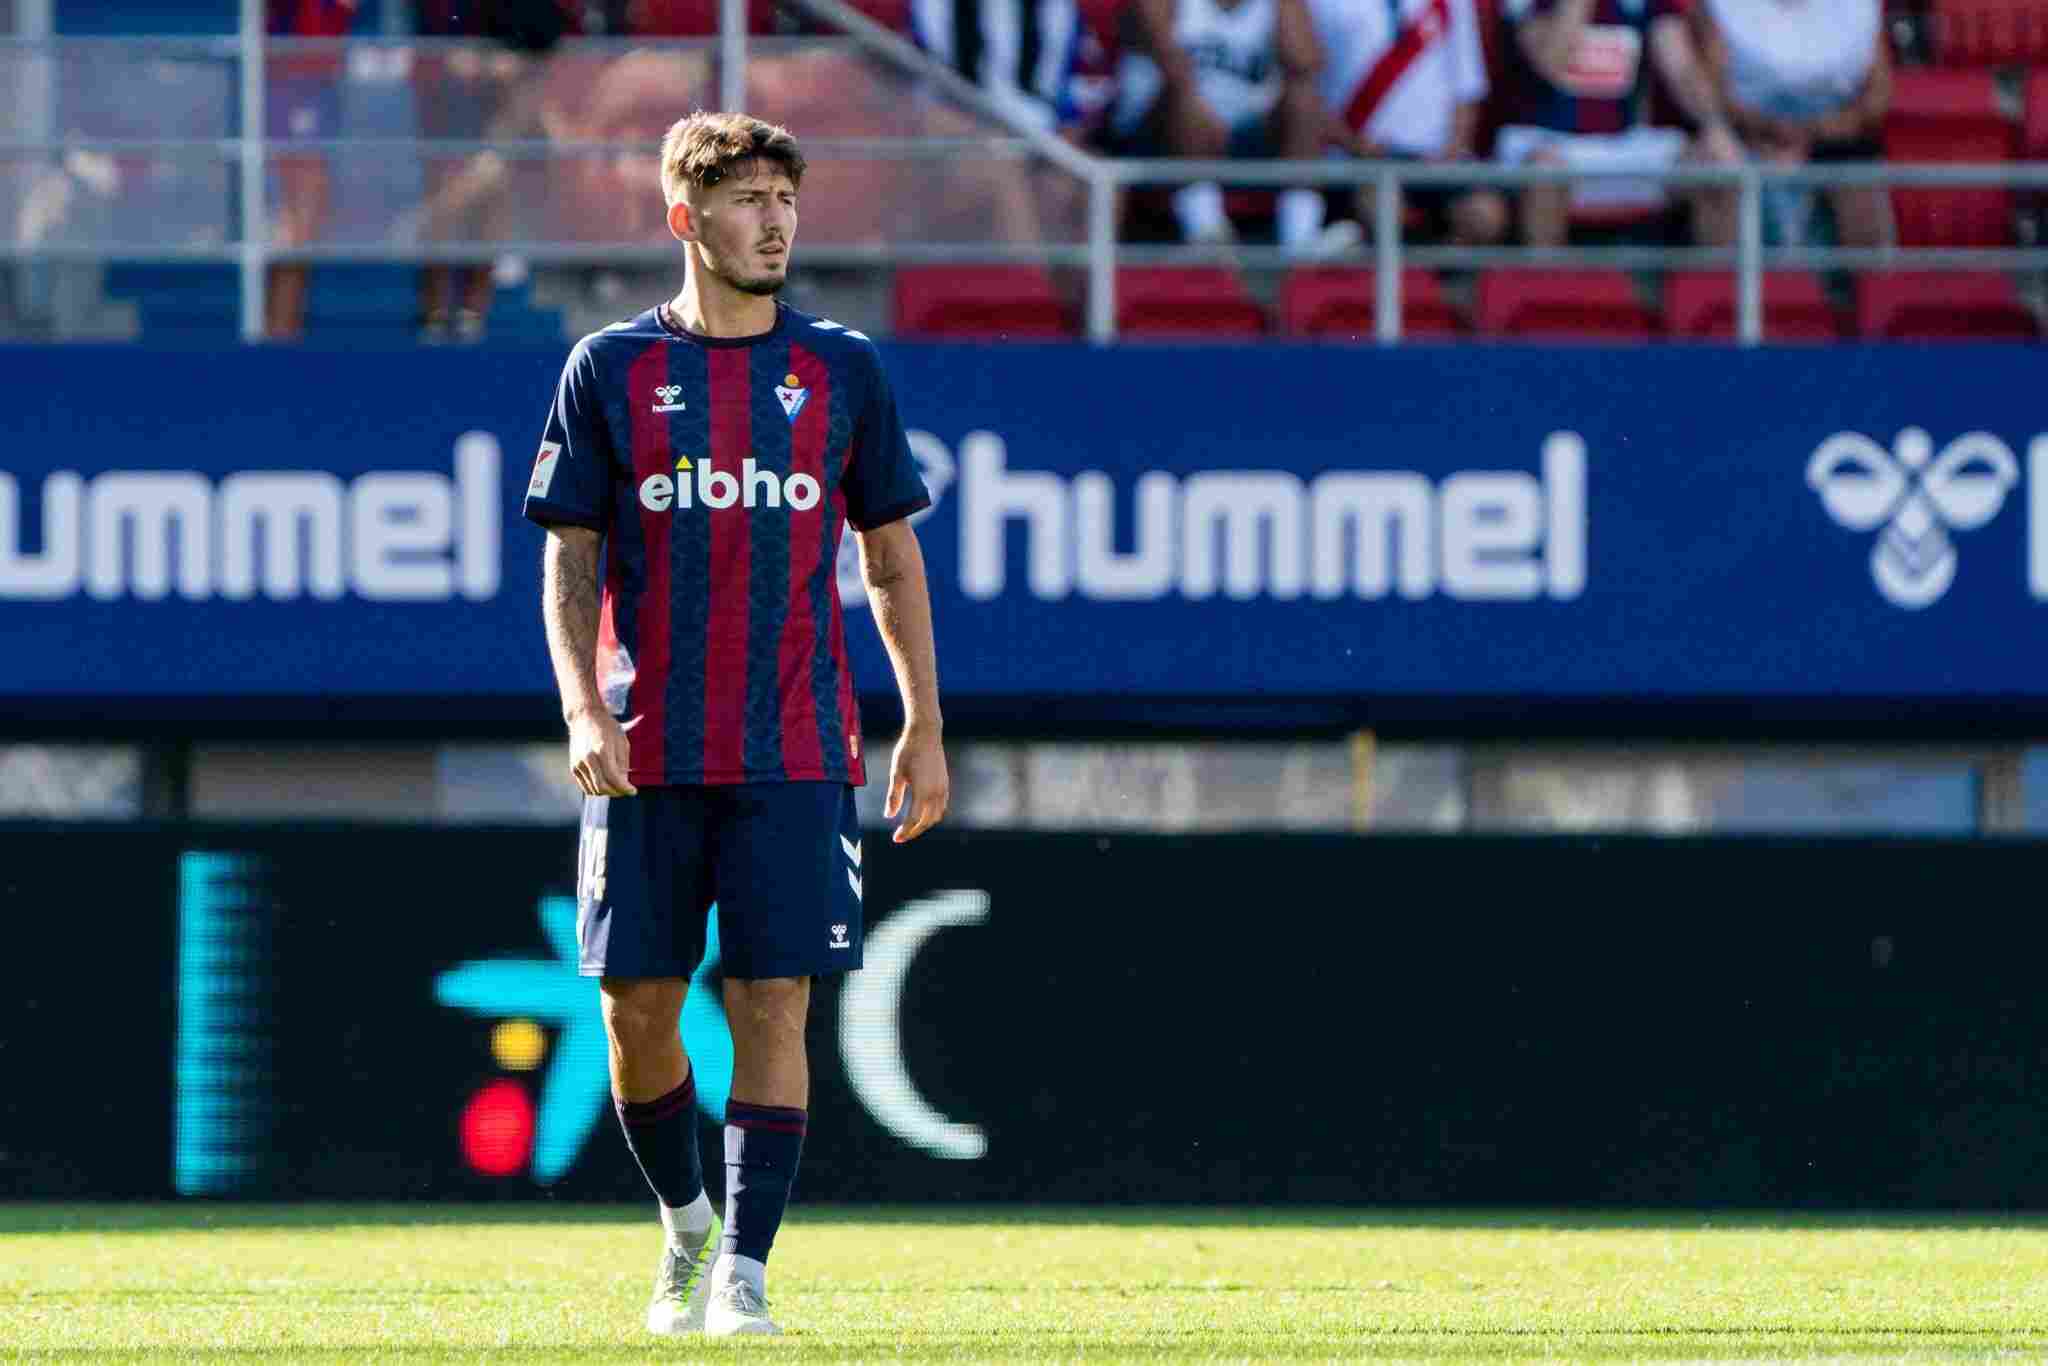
(570, 495)
(569, 608)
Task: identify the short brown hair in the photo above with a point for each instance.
(705, 148)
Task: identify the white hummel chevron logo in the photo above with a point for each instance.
(852, 849)
(853, 880)
(827, 325)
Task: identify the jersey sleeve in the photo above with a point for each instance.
(572, 475)
(881, 484)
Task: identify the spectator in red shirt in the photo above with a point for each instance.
(1577, 71)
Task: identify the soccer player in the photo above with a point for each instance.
(715, 445)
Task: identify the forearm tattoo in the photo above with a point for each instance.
(569, 606)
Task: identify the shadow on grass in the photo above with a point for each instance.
(201, 1215)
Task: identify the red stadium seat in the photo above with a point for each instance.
(1701, 304)
(1950, 116)
(2034, 139)
(1330, 301)
(693, 18)
(1582, 305)
(2034, 147)
(979, 301)
(1185, 302)
(893, 15)
(1942, 305)
(1989, 32)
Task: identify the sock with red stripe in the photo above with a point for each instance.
(763, 1144)
(662, 1134)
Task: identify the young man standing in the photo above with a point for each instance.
(714, 446)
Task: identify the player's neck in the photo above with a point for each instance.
(711, 308)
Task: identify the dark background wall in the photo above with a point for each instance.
(1256, 1018)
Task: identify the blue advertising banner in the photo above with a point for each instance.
(1157, 524)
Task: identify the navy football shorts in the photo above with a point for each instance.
(782, 861)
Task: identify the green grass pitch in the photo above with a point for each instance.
(544, 1283)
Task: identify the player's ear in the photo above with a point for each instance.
(682, 222)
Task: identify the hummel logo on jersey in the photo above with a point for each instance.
(839, 938)
(1918, 497)
(666, 397)
(716, 488)
(827, 325)
(793, 396)
(544, 469)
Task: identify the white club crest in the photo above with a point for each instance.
(792, 394)
(1917, 497)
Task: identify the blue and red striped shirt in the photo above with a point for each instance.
(722, 472)
(1603, 76)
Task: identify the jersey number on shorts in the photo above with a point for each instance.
(590, 866)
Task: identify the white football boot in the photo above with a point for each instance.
(736, 1307)
(682, 1287)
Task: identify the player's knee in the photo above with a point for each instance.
(768, 1004)
(1480, 218)
(639, 1018)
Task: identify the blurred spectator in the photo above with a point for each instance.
(1022, 52)
(1406, 79)
(465, 95)
(302, 101)
(73, 203)
(1578, 101)
(1090, 93)
(1226, 78)
(1807, 80)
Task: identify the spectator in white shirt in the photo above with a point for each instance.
(1807, 81)
(1406, 79)
(1225, 78)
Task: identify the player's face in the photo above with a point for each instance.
(745, 226)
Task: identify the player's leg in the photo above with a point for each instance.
(1715, 209)
(1545, 209)
(641, 899)
(766, 1121)
(789, 879)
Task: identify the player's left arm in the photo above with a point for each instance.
(893, 568)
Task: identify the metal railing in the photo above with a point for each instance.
(1094, 248)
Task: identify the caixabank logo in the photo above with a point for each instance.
(1918, 499)
(553, 1087)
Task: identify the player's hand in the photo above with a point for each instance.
(597, 754)
(918, 768)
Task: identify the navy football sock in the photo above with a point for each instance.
(663, 1136)
(763, 1144)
